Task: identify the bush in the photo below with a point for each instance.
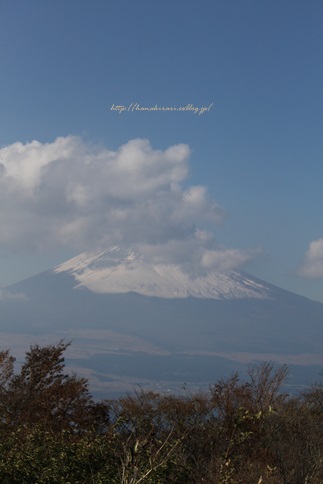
(52, 431)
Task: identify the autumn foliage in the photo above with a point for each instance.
(52, 431)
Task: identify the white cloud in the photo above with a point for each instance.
(225, 259)
(69, 193)
(312, 265)
(5, 296)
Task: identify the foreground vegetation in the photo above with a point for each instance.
(52, 431)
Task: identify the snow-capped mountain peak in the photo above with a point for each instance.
(118, 270)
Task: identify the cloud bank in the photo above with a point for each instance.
(10, 296)
(312, 266)
(69, 193)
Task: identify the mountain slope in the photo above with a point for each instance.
(122, 339)
(119, 271)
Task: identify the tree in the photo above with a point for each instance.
(244, 411)
(43, 394)
(51, 430)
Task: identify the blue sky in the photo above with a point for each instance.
(256, 155)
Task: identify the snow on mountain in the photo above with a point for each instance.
(116, 270)
(195, 330)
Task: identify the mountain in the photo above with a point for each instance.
(121, 271)
(137, 323)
